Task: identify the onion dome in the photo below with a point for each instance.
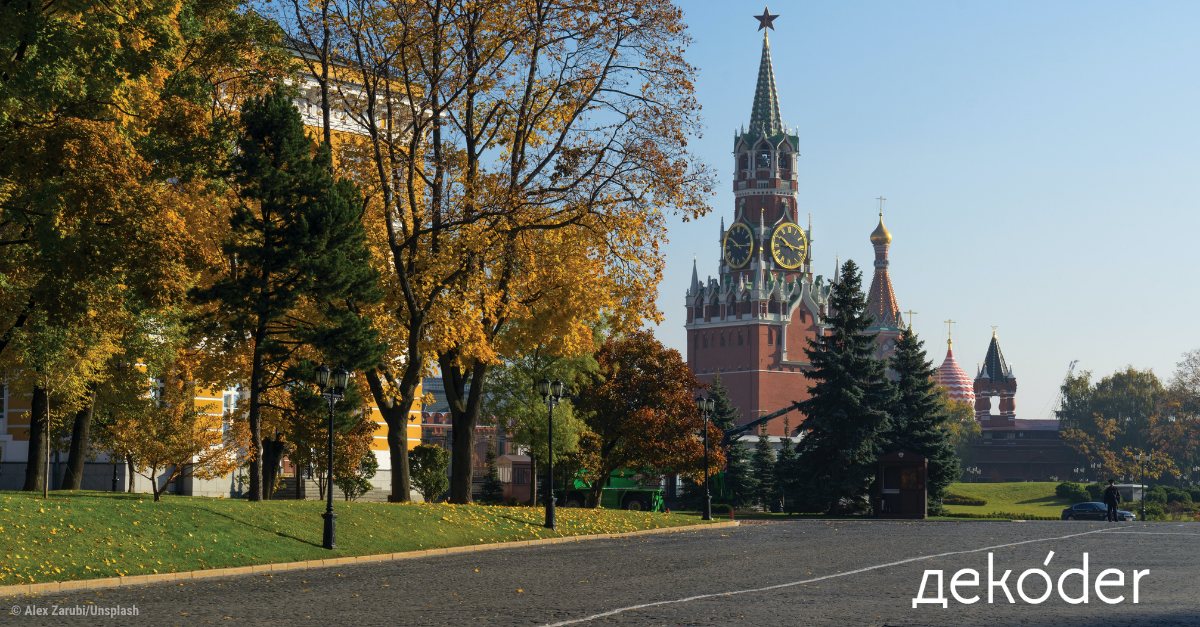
(950, 376)
(880, 236)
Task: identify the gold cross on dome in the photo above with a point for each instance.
(949, 330)
(910, 313)
(881, 199)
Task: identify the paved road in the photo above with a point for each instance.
(571, 582)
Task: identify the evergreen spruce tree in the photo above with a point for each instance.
(846, 414)
(298, 261)
(785, 475)
(762, 462)
(739, 482)
(918, 414)
(493, 490)
(736, 485)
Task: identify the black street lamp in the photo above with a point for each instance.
(706, 407)
(1142, 459)
(552, 394)
(332, 391)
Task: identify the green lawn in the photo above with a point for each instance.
(84, 535)
(1034, 498)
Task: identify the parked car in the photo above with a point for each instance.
(1093, 511)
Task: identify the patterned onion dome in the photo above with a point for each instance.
(951, 377)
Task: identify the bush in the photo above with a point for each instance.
(958, 499)
(1175, 495)
(1096, 491)
(718, 508)
(1195, 494)
(427, 468)
(1073, 492)
(1157, 494)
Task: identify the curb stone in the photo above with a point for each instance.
(217, 573)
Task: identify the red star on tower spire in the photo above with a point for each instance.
(764, 20)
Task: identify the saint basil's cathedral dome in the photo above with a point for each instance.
(950, 376)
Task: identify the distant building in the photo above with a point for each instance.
(1014, 449)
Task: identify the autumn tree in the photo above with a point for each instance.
(302, 418)
(640, 405)
(522, 160)
(846, 412)
(1177, 434)
(963, 430)
(516, 406)
(296, 255)
(169, 434)
(1114, 419)
(918, 415)
(109, 135)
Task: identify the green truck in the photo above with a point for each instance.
(625, 489)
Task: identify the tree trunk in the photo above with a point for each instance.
(255, 418)
(39, 430)
(272, 454)
(395, 414)
(80, 441)
(129, 468)
(464, 415)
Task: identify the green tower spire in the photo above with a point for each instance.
(765, 115)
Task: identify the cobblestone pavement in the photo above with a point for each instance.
(568, 583)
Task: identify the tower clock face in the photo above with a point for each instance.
(739, 244)
(789, 245)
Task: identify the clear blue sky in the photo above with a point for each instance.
(1039, 161)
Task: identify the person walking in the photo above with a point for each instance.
(1112, 496)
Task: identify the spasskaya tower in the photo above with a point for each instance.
(752, 321)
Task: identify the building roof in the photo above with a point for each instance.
(952, 377)
(765, 114)
(436, 387)
(1023, 424)
(994, 365)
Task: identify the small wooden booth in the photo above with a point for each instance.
(516, 474)
(901, 482)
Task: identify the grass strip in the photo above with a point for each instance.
(85, 535)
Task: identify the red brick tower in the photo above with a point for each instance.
(995, 379)
(752, 322)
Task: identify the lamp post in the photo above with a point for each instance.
(706, 407)
(551, 393)
(1142, 459)
(332, 389)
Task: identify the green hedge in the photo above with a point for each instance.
(1072, 492)
(959, 499)
(1004, 515)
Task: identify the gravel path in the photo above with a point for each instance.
(567, 584)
